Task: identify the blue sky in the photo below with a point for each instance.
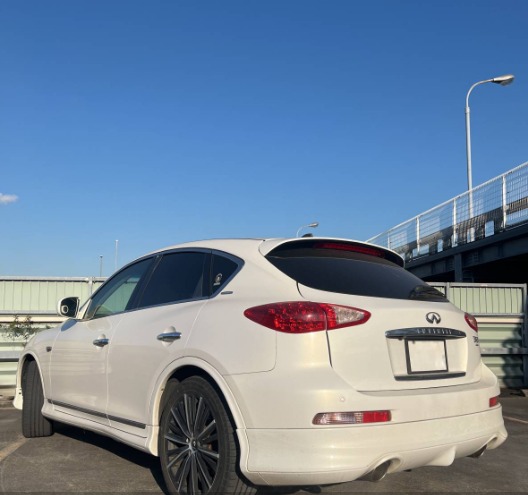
(160, 122)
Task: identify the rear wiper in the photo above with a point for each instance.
(426, 293)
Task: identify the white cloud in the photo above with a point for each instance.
(7, 198)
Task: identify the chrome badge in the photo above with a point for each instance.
(433, 318)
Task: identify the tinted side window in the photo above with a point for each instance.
(178, 277)
(221, 271)
(116, 295)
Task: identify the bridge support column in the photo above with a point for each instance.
(461, 275)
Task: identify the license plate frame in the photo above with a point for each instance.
(426, 356)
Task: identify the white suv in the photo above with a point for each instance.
(267, 362)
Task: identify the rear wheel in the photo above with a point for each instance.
(34, 424)
(197, 445)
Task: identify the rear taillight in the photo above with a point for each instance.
(351, 418)
(304, 317)
(494, 401)
(471, 321)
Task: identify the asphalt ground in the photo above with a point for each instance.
(73, 461)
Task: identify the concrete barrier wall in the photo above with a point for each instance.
(500, 310)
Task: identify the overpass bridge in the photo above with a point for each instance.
(478, 236)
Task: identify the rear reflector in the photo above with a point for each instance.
(471, 321)
(305, 317)
(352, 418)
(494, 401)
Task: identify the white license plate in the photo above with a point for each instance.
(426, 356)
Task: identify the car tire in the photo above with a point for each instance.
(197, 445)
(34, 424)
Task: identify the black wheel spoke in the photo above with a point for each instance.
(178, 454)
(183, 473)
(211, 463)
(209, 453)
(203, 469)
(180, 423)
(176, 439)
(194, 488)
(200, 413)
(189, 416)
(210, 429)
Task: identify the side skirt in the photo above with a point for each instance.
(142, 438)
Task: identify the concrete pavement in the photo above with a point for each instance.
(73, 460)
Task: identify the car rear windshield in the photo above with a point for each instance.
(349, 272)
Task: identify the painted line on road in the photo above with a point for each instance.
(7, 451)
(516, 420)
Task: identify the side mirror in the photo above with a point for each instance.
(68, 307)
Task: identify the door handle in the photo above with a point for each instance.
(169, 336)
(101, 342)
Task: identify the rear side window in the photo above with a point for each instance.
(178, 277)
(222, 270)
(352, 273)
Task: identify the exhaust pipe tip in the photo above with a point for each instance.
(478, 453)
(378, 473)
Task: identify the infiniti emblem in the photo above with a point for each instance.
(433, 318)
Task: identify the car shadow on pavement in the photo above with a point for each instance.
(151, 462)
(289, 490)
(121, 450)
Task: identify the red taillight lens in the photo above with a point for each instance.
(471, 321)
(352, 418)
(494, 401)
(304, 317)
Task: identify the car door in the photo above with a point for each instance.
(150, 338)
(78, 363)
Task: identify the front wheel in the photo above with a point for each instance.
(34, 424)
(197, 445)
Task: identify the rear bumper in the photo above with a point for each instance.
(333, 455)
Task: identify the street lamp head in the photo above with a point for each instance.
(312, 225)
(503, 80)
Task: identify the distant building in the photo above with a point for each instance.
(36, 298)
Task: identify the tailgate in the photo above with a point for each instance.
(404, 345)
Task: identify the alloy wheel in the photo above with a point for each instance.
(191, 443)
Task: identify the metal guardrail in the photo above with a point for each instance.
(490, 208)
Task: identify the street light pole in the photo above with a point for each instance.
(503, 81)
(312, 225)
(116, 247)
